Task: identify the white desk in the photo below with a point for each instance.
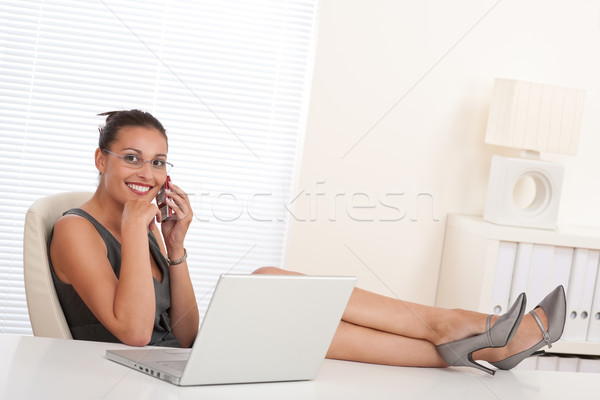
(41, 368)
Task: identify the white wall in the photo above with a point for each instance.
(399, 105)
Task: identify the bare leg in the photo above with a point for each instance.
(433, 324)
(383, 330)
(436, 325)
(358, 343)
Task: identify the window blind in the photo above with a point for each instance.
(228, 79)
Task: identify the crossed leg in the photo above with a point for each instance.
(382, 330)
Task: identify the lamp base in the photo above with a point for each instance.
(506, 174)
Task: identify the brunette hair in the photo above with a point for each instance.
(116, 120)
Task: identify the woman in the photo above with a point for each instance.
(109, 259)
(110, 268)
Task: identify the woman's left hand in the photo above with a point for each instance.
(175, 228)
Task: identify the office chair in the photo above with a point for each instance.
(45, 313)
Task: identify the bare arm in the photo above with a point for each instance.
(125, 306)
(184, 310)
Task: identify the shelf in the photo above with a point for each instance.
(568, 236)
(564, 347)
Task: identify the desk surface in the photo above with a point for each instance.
(36, 368)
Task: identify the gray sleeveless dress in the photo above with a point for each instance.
(82, 322)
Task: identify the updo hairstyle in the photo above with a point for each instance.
(115, 120)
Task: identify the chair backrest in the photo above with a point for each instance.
(45, 313)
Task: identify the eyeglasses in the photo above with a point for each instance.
(135, 161)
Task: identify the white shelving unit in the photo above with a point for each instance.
(470, 260)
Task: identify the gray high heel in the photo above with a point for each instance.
(555, 308)
(460, 352)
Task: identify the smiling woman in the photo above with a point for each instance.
(119, 278)
(109, 259)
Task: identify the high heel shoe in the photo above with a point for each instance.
(555, 308)
(460, 352)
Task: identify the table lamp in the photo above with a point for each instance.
(533, 118)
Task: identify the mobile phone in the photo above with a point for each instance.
(166, 212)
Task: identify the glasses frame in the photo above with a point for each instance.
(141, 165)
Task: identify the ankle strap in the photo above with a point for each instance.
(544, 331)
(488, 322)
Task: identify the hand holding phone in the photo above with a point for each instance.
(166, 212)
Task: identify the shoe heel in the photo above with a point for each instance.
(474, 364)
(460, 352)
(450, 355)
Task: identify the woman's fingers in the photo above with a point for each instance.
(179, 202)
(140, 210)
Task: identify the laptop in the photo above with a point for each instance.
(257, 328)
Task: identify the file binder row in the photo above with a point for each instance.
(561, 363)
(537, 269)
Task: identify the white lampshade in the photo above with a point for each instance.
(532, 116)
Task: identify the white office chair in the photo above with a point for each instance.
(45, 313)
